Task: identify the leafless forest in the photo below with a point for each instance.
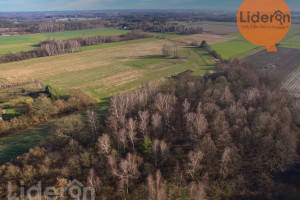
(227, 135)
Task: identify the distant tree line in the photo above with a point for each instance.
(207, 48)
(52, 47)
(232, 134)
(160, 21)
(55, 47)
(7, 27)
(95, 40)
(165, 28)
(65, 26)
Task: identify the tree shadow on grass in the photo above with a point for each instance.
(17, 144)
(35, 45)
(151, 57)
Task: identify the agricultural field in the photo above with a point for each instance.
(157, 36)
(210, 27)
(237, 47)
(220, 29)
(217, 28)
(278, 64)
(292, 83)
(31, 41)
(103, 72)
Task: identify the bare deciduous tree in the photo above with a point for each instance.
(93, 122)
(196, 124)
(175, 50)
(155, 149)
(104, 145)
(131, 126)
(160, 150)
(164, 150)
(186, 106)
(127, 170)
(166, 50)
(156, 190)
(156, 120)
(227, 97)
(144, 122)
(194, 162)
(123, 138)
(229, 162)
(197, 191)
(93, 180)
(164, 103)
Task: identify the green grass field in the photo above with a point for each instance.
(240, 47)
(102, 82)
(17, 144)
(28, 42)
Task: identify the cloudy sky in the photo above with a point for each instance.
(55, 5)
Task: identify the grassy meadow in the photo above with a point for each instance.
(238, 47)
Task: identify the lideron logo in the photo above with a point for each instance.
(258, 17)
(264, 22)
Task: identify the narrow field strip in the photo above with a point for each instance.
(292, 84)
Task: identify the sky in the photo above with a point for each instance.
(57, 5)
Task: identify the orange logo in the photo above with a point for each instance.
(264, 22)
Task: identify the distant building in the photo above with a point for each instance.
(124, 26)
